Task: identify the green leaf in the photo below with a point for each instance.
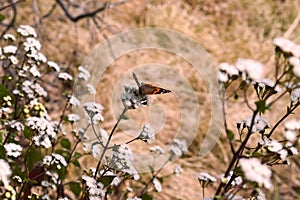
(77, 155)
(230, 134)
(106, 180)
(147, 197)
(76, 163)
(2, 152)
(27, 132)
(261, 106)
(65, 143)
(151, 169)
(75, 188)
(3, 91)
(2, 17)
(34, 156)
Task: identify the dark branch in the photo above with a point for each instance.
(88, 14)
(9, 5)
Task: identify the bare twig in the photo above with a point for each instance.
(88, 14)
(10, 5)
(12, 22)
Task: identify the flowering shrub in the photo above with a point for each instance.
(39, 154)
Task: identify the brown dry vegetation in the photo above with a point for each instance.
(227, 29)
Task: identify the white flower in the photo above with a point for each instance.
(222, 77)
(37, 56)
(178, 170)
(73, 117)
(83, 73)
(34, 71)
(65, 76)
(230, 70)
(13, 59)
(53, 65)
(13, 149)
(205, 179)
(91, 89)
(235, 182)
(296, 51)
(290, 135)
(95, 188)
(257, 172)
(132, 99)
(8, 36)
(292, 125)
(178, 148)
(31, 89)
(45, 131)
(55, 159)
(26, 30)
(284, 44)
(296, 70)
(259, 124)
(94, 110)
(74, 101)
(283, 154)
(5, 172)
(157, 185)
(32, 44)
(147, 134)
(157, 150)
(251, 68)
(10, 49)
(274, 146)
(16, 125)
(122, 159)
(265, 85)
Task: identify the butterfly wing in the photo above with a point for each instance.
(149, 89)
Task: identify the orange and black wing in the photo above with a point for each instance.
(149, 89)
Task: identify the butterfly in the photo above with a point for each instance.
(149, 89)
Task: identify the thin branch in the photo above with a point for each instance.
(10, 5)
(88, 14)
(12, 22)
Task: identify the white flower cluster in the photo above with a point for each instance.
(295, 95)
(122, 159)
(257, 172)
(246, 68)
(236, 180)
(177, 148)
(45, 131)
(132, 99)
(94, 111)
(147, 134)
(292, 128)
(26, 31)
(55, 159)
(157, 150)
(293, 51)
(260, 124)
(157, 185)
(266, 86)
(32, 90)
(205, 179)
(95, 188)
(83, 73)
(13, 149)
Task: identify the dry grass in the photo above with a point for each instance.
(227, 30)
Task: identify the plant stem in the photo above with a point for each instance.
(108, 141)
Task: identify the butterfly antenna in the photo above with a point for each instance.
(136, 80)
